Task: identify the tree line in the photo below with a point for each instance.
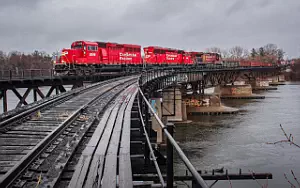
(17, 60)
(295, 70)
(269, 53)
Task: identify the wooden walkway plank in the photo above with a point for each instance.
(95, 172)
(125, 171)
(110, 169)
(98, 165)
(83, 164)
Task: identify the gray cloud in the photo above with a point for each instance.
(189, 24)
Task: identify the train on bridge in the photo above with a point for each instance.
(88, 57)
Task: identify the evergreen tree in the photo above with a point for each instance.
(253, 53)
(261, 51)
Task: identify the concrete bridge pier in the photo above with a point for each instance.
(172, 104)
(200, 104)
(261, 84)
(156, 105)
(169, 107)
(277, 80)
(237, 92)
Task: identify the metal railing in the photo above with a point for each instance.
(50, 73)
(144, 100)
(150, 148)
(26, 74)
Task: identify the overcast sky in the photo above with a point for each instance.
(50, 25)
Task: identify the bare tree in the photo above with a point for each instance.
(225, 54)
(3, 58)
(280, 54)
(16, 60)
(270, 49)
(237, 52)
(214, 49)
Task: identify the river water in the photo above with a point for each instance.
(240, 140)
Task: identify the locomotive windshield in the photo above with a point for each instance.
(77, 46)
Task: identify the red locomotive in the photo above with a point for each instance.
(88, 56)
(166, 56)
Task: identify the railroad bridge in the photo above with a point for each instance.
(101, 134)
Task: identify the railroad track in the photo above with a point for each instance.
(35, 152)
(28, 110)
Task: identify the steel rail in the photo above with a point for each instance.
(52, 101)
(8, 178)
(181, 154)
(161, 179)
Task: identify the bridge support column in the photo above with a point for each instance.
(3, 95)
(56, 90)
(34, 95)
(156, 105)
(195, 87)
(172, 104)
(183, 110)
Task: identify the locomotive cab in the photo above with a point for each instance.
(84, 53)
(80, 54)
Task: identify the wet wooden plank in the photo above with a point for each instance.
(110, 168)
(95, 173)
(82, 166)
(4, 169)
(16, 147)
(14, 152)
(18, 136)
(18, 142)
(34, 128)
(41, 133)
(7, 163)
(125, 171)
(11, 157)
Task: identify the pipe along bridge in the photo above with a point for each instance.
(101, 135)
